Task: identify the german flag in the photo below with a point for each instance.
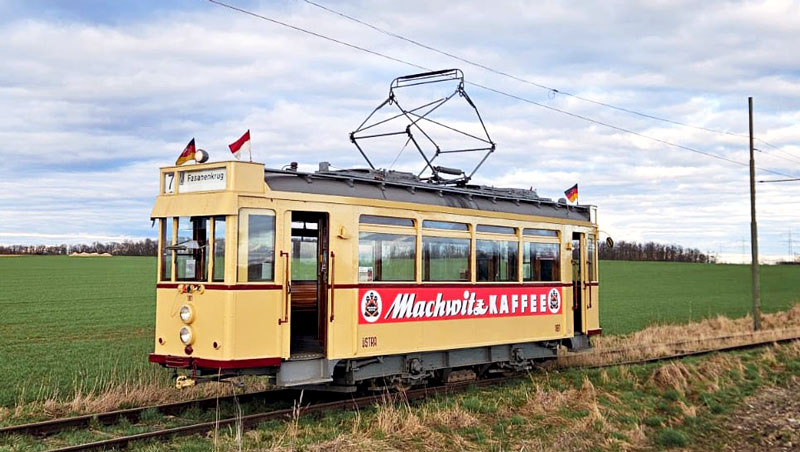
(187, 154)
(572, 193)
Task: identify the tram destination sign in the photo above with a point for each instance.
(202, 180)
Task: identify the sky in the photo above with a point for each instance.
(97, 95)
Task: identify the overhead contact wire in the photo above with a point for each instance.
(529, 82)
(487, 88)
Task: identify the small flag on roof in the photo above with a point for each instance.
(572, 193)
(187, 154)
(241, 145)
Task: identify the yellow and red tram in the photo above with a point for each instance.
(354, 277)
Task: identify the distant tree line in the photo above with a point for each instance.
(622, 251)
(146, 247)
(650, 251)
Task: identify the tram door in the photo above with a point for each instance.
(578, 298)
(309, 283)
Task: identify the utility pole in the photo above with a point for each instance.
(754, 229)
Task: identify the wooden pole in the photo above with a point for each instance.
(754, 229)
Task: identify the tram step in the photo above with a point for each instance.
(305, 372)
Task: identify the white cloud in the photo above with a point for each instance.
(92, 109)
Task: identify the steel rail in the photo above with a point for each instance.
(730, 337)
(254, 419)
(354, 403)
(686, 354)
(53, 426)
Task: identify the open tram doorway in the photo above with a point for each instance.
(577, 282)
(309, 282)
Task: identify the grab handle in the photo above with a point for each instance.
(576, 287)
(287, 289)
(589, 292)
(333, 283)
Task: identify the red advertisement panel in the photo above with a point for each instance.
(412, 304)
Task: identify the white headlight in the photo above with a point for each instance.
(186, 335)
(187, 314)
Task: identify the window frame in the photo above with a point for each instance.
(396, 229)
(213, 246)
(495, 229)
(556, 240)
(591, 257)
(555, 233)
(468, 228)
(161, 249)
(242, 230)
(389, 223)
(207, 258)
(407, 232)
(449, 235)
(497, 237)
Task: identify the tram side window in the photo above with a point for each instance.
(257, 247)
(386, 257)
(445, 259)
(191, 249)
(540, 262)
(219, 249)
(166, 254)
(591, 275)
(496, 260)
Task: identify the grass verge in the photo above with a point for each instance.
(681, 405)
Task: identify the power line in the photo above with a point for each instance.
(317, 35)
(794, 179)
(621, 129)
(788, 157)
(529, 82)
(514, 77)
(496, 91)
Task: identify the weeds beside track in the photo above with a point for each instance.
(599, 359)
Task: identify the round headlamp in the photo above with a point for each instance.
(187, 314)
(186, 335)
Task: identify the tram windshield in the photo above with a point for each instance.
(186, 248)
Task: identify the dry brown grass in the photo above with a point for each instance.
(403, 427)
(664, 340)
(543, 403)
(118, 395)
(392, 420)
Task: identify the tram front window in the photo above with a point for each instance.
(191, 249)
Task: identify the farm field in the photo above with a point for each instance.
(72, 324)
(634, 295)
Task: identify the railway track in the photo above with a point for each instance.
(45, 428)
(53, 426)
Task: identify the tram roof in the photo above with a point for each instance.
(406, 187)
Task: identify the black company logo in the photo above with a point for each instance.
(371, 306)
(554, 301)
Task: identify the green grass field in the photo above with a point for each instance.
(80, 322)
(634, 295)
(68, 322)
